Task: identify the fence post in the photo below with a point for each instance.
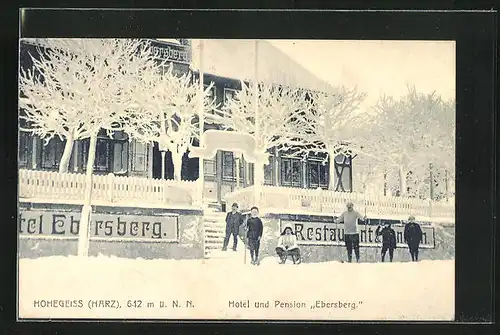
(111, 184)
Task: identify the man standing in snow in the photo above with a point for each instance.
(234, 219)
(388, 240)
(254, 234)
(351, 235)
(413, 236)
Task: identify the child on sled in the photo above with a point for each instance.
(287, 246)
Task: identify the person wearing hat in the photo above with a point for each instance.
(234, 219)
(388, 240)
(287, 245)
(413, 237)
(351, 235)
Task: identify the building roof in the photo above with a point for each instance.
(236, 58)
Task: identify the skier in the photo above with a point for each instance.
(287, 245)
(388, 240)
(234, 219)
(413, 237)
(254, 234)
(351, 235)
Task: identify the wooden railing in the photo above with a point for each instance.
(115, 190)
(310, 201)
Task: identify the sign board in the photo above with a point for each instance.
(60, 224)
(239, 143)
(329, 233)
(171, 52)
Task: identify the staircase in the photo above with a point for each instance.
(214, 230)
(214, 233)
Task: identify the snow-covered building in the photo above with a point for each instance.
(226, 62)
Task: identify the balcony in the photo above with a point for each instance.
(107, 190)
(287, 200)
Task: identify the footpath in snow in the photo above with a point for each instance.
(225, 288)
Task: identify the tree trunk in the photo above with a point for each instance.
(68, 148)
(83, 240)
(258, 182)
(177, 160)
(402, 181)
(331, 171)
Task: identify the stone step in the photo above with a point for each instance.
(217, 235)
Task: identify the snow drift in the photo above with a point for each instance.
(208, 289)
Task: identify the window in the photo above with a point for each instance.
(250, 170)
(317, 174)
(242, 163)
(229, 94)
(343, 172)
(269, 175)
(102, 160)
(211, 95)
(291, 172)
(25, 149)
(51, 153)
(227, 166)
(140, 156)
(120, 157)
(210, 167)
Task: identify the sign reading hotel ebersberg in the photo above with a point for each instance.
(171, 52)
(53, 224)
(329, 233)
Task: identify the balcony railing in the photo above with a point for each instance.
(290, 200)
(111, 190)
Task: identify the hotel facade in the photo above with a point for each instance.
(121, 157)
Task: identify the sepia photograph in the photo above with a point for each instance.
(236, 179)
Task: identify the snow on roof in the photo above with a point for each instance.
(235, 59)
(169, 40)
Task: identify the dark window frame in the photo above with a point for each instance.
(295, 180)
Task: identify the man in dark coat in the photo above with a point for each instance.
(388, 240)
(234, 219)
(413, 236)
(254, 234)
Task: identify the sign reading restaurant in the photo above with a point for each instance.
(329, 233)
(55, 224)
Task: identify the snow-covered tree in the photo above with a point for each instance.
(275, 124)
(330, 125)
(85, 85)
(78, 86)
(410, 134)
(166, 113)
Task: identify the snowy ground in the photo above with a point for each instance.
(366, 291)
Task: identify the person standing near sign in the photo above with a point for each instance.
(413, 237)
(388, 240)
(254, 234)
(351, 235)
(234, 219)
